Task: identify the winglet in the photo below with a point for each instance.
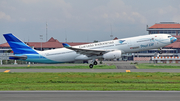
(65, 45)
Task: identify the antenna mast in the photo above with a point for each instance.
(66, 36)
(111, 33)
(46, 31)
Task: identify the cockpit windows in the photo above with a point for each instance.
(169, 36)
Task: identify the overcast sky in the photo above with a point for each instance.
(83, 20)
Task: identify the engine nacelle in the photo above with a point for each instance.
(112, 55)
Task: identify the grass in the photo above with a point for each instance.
(62, 67)
(139, 66)
(156, 66)
(90, 81)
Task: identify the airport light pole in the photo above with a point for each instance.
(41, 37)
(111, 33)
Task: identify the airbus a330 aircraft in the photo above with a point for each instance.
(112, 49)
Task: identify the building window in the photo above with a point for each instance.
(153, 32)
(160, 31)
(150, 32)
(165, 31)
(169, 32)
(173, 32)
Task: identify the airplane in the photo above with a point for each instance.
(112, 49)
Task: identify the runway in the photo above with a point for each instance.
(89, 95)
(90, 70)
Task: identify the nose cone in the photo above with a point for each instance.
(173, 39)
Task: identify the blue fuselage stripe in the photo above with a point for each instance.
(37, 58)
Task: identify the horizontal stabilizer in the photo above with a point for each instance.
(23, 57)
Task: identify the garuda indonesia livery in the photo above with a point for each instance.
(112, 49)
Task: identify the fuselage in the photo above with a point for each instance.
(126, 45)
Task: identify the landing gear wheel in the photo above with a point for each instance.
(91, 66)
(95, 63)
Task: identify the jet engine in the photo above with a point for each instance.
(112, 55)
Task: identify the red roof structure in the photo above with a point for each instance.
(52, 40)
(115, 38)
(4, 45)
(165, 26)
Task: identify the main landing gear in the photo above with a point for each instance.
(94, 63)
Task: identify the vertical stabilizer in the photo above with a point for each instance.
(17, 45)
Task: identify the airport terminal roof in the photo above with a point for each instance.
(53, 43)
(165, 25)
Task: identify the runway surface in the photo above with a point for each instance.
(91, 70)
(89, 95)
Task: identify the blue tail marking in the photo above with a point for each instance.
(17, 45)
(65, 45)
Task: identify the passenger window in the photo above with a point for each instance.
(169, 36)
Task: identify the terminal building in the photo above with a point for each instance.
(165, 27)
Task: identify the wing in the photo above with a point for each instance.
(87, 52)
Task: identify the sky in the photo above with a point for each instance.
(83, 20)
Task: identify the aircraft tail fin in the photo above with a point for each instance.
(17, 45)
(66, 45)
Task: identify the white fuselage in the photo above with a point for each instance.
(126, 45)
